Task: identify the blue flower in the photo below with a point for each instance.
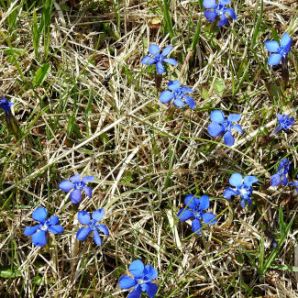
(76, 185)
(177, 93)
(141, 280)
(222, 125)
(284, 122)
(242, 187)
(92, 225)
(278, 50)
(295, 184)
(195, 209)
(280, 178)
(6, 105)
(39, 232)
(158, 57)
(218, 10)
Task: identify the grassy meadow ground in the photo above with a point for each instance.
(86, 105)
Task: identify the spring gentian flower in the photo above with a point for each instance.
(218, 10)
(158, 57)
(178, 94)
(196, 209)
(284, 122)
(222, 125)
(39, 232)
(140, 280)
(278, 50)
(241, 187)
(6, 105)
(92, 225)
(76, 185)
(281, 177)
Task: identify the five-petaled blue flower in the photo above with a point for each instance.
(92, 225)
(278, 50)
(196, 209)
(6, 105)
(222, 125)
(39, 232)
(141, 280)
(284, 122)
(242, 187)
(218, 10)
(76, 185)
(178, 94)
(281, 177)
(158, 57)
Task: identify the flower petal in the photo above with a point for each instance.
(151, 289)
(88, 179)
(160, 68)
(150, 272)
(171, 61)
(126, 282)
(154, 49)
(209, 3)
(238, 128)
(236, 180)
(224, 2)
(98, 214)
(40, 214)
(84, 217)
(96, 238)
(249, 180)
(230, 12)
(104, 229)
(274, 59)
(286, 40)
(29, 231)
(88, 191)
(272, 46)
(229, 140)
(166, 51)
(66, 185)
(75, 178)
(234, 117)
(229, 193)
(275, 180)
(210, 15)
(217, 116)
(215, 129)
(76, 196)
(53, 220)
(147, 60)
(39, 238)
(184, 214)
(83, 233)
(136, 293)
(196, 226)
(222, 21)
(136, 268)
(166, 96)
(191, 201)
(56, 229)
(174, 85)
(190, 101)
(178, 102)
(209, 218)
(204, 202)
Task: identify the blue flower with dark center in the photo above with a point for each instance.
(281, 177)
(196, 209)
(6, 105)
(284, 122)
(278, 50)
(218, 10)
(76, 185)
(178, 94)
(39, 232)
(140, 280)
(158, 57)
(92, 225)
(242, 187)
(222, 125)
